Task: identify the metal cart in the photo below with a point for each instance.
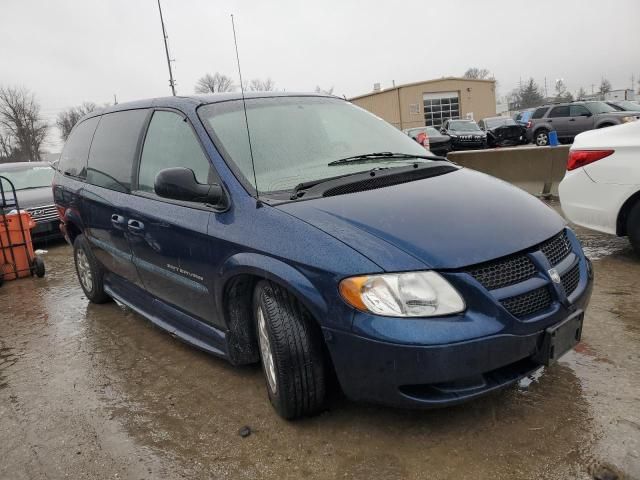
(13, 250)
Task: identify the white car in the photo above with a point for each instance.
(601, 189)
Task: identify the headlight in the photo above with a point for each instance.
(414, 294)
(628, 119)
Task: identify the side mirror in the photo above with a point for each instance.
(587, 114)
(180, 183)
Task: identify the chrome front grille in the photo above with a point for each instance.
(44, 214)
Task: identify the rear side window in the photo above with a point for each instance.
(73, 161)
(539, 113)
(170, 142)
(113, 150)
(562, 111)
(577, 110)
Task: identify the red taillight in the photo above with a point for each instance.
(580, 158)
(529, 124)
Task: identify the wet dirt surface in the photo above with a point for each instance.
(95, 391)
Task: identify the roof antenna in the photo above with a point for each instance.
(246, 119)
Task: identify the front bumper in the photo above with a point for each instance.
(46, 231)
(410, 363)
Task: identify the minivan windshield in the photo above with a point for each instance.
(464, 126)
(29, 177)
(294, 138)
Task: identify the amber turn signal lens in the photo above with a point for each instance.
(351, 291)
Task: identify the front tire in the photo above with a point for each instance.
(291, 352)
(633, 227)
(90, 272)
(542, 137)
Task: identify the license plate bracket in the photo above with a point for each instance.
(559, 339)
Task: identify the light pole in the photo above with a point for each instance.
(172, 83)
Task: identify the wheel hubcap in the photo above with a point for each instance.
(265, 351)
(84, 270)
(542, 139)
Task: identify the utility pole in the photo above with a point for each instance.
(172, 83)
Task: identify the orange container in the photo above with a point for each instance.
(10, 236)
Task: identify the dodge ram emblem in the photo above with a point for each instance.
(555, 276)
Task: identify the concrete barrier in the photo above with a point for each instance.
(538, 170)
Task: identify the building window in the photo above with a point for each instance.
(440, 106)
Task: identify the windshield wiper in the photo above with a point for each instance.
(378, 155)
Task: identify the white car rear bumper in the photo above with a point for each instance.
(590, 204)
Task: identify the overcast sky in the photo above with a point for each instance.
(68, 51)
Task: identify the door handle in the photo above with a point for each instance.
(572, 119)
(135, 226)
(117, 220)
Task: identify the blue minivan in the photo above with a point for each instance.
(305, 233)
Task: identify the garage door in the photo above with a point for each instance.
(440, 106)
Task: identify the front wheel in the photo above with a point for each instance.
(291, 352)
(542, 138)
(633, 227)
(90, 272)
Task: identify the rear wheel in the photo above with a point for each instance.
(291, 352)
(633, 227)
(542, 137)
(90, 272)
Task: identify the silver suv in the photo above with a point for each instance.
(570, 119)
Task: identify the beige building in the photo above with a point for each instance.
(432, 101)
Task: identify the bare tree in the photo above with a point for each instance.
(328, 91)
(562, 94)
(68, 118)
(21, 123)
(214, 83)
(605, 86)
(258, 85)
(476, 73)
(582, 93)
(7, 148)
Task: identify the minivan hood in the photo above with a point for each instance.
(450, 221)
(33, 197)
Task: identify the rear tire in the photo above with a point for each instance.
(541, 137)
(90, 272)
(291, 352)
(633, 227)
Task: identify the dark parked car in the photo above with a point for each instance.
(439, 144)
(32, 181)
(503, 132)
(464, 134)
(570, 119)
(322, 242)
